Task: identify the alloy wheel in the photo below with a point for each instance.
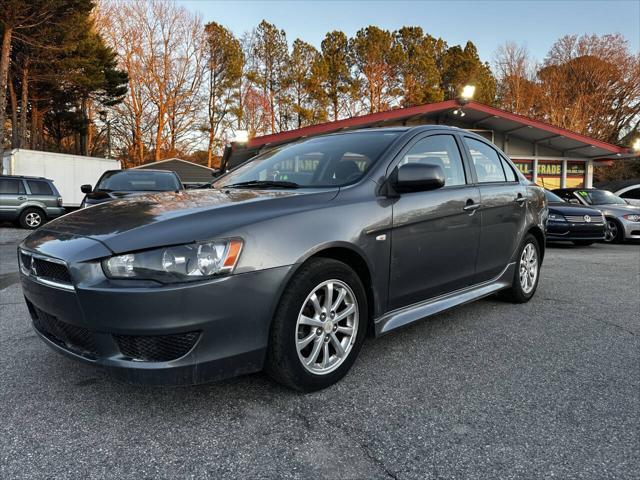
(33, 219)
(528, 268)
(327, 327)
(612, 231)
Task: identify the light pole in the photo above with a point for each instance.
(105, 119)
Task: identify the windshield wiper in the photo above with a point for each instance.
(263, 184)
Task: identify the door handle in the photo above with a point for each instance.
(22, 198)
(471, 207)
(520, 199)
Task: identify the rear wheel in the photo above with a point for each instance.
(31, 218)
(319, 326)
(613, 233)
(527, 274)
(583, 243)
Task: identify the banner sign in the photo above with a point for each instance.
(551, 168)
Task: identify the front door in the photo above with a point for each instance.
(503, 209)
(435, 233)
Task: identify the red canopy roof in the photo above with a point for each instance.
(478, 114)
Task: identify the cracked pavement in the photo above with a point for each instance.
(488, 390)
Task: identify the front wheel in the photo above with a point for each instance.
(613, 233)
(527, 274)
(319, 326)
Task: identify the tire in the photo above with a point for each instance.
(299, 318)
(583, 243)
(614, 232)
(518, 293)
(31, 218)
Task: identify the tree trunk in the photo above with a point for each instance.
(14, 115)
(34, 143)
(84, 147)
(210, 148)
(158, 153)
(4, 75)
(24, 102)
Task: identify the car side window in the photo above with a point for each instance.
(508, 171)
(633, 194)
(11, 186)
(486, 161)
(39, 188)
(441, 150)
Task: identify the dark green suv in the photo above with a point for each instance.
(29, 201)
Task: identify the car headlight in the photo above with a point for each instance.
(556, 217)
(632, 217)
(181, 263)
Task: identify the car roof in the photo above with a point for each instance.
(141, 170)
(399, 129)
(26, 177)
(616, 185)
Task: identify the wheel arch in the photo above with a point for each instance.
(349, 255)
(539, 235)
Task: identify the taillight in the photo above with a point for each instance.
(59, 201)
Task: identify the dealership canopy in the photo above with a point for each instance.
(549, 155)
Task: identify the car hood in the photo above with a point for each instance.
(570, 209)
(181, 217)
(617, 209)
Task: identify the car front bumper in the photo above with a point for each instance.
(631, 229)
(560, 231)
(172, 334)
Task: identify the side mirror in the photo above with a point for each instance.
(418, 177)
(575, 201)
(86, 188)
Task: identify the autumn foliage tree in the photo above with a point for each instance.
(588, 84)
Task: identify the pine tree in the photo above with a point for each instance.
(225, 61)
(335, 69)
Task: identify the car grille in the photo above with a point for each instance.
(43, 269)
(595, 219)
(156, 348)
(76, 339)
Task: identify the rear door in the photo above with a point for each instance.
(435, 233)
(42, 193)
(12, 195)
(502, 211)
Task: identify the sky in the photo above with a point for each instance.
(489, 24)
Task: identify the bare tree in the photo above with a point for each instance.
(515, 72)
(160, 45)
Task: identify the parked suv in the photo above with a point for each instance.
(289, 260)
(30, 201)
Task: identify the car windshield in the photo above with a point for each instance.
(600, 197)
(552, 197)
(334, 160)
(138, 180)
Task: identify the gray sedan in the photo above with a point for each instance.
(623, 220)
(289, 260)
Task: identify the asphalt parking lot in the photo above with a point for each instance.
(549, 389)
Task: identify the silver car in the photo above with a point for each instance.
(29, 201)
(623, 220)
